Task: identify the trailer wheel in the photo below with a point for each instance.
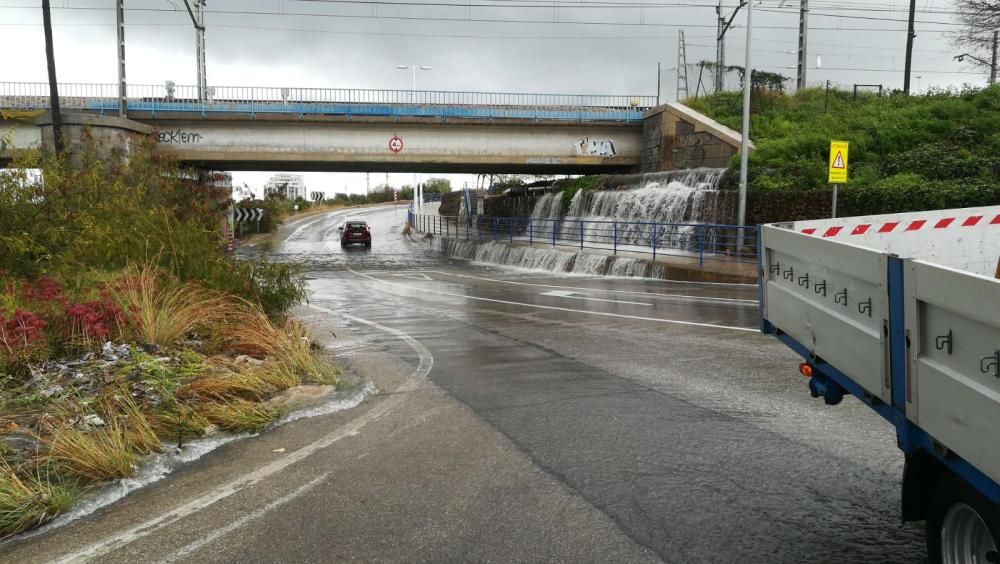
(962, 526)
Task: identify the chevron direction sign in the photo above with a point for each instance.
(316, 196)
(241, 215)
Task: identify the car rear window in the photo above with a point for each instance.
(355, 227)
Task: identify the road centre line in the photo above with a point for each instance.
(554, 308)
(349, 429)
(654, 295)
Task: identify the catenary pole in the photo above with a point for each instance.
(745, 141)
(120, 24)
(50, 60)
(910, 34)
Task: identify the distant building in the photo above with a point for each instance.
(291, 185)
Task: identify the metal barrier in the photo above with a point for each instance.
(103, 98)
(700, 240)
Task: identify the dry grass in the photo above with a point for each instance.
(94, 456)
(236, 414)
(141, 436)
(29, 502)
(288, 349)
(110, 452)
(225, 379)
(179, 425)
(162, 311)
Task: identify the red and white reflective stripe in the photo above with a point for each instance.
(890, 226)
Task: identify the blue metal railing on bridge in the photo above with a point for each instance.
(696, 240)
(251, 100)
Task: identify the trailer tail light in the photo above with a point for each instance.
(806, 370)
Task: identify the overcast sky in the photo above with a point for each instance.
(550, 46)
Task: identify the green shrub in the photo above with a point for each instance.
(107, 212)
(907, 153)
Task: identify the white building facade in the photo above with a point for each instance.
(291, 185)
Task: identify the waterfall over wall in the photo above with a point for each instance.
(663, 207)
(685, 196)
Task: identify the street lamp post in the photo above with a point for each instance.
(413, 69)
(418, 200)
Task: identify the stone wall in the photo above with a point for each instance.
(677, 137)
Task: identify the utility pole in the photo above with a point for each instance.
(720, 48)
(909, 47)
(682, 73)
(198, 19)
(720, 44)
(120, 13)
(200, 46)
(803, 28)
(50, 60)
(659, 81)
(993, 63)
(745, 140)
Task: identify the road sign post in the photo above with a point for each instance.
(838, 170)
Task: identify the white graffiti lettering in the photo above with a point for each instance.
(594, 147)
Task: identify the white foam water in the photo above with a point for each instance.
(160, 465)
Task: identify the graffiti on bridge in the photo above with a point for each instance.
(177, 136)
(594, 147)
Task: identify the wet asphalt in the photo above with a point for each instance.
(556, 418)
(647, 398)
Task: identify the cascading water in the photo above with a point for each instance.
(666, 207)
(663, 208)
(549, 206)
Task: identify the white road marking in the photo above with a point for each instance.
(414, 276)
(536, 306)
(186, 550)
(298, 231)
(569, 294)
(351, 428)
(736, 301)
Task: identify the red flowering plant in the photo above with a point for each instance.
(22, 339)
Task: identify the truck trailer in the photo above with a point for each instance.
(902, 311)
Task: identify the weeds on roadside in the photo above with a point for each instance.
(162, 312)
(238, 415)
(287, 348)
(29, 502)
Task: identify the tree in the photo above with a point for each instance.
(439, 185)
(979, 19)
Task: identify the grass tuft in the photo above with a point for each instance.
(29, 502)
(288, 349)
(93, 456)
(162, 311)
(237, 414)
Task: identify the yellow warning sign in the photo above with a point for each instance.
(838, 162)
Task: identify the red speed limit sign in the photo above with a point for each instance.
(396, 144)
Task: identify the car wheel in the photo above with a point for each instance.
(962, 525)
(368, 245)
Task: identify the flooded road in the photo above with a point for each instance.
(519, 416)
(655, 401)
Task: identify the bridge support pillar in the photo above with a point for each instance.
(677, 137)
(109, 134)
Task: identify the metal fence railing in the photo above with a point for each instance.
(104, 98)
(698, 240)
